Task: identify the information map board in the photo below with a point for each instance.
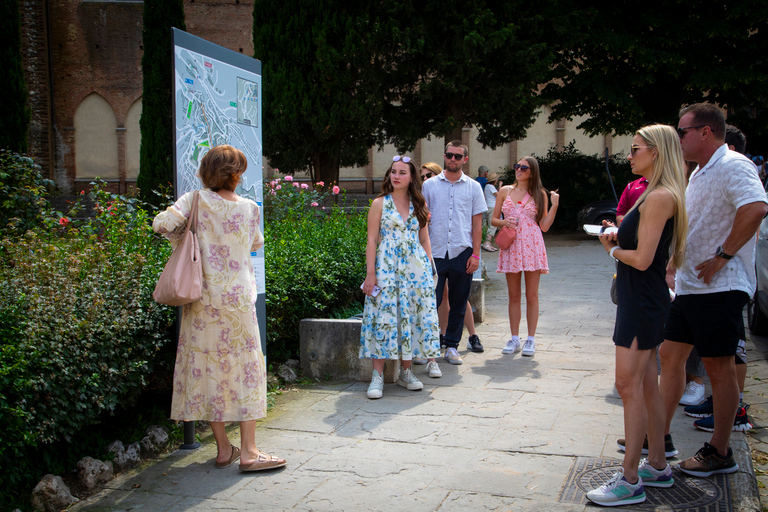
(217, 100)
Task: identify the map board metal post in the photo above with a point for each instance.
(217, 100)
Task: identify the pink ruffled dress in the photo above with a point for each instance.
(527, 253)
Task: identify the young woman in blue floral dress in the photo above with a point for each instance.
(400, 321)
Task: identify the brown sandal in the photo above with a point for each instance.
(235, 455)
(265, 461)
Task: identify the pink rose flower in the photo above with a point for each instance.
(296, 185)
(313, 203)
(278, 187)
(304, 185)
(336, 189)
(289, 178)
(320, 184)
(63, 221)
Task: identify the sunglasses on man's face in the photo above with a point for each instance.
(454, 156)
(682, 131)
(519, 167)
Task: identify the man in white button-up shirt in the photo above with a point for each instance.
(725, 203)
(456, 204)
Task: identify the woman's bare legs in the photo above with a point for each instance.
(249, 452)
(223, 445)
(531, 301)
(515, 295)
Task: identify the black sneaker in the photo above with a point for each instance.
(702, 410)
(473, 344)
(708, 462)
(669, 447)
(741, 422)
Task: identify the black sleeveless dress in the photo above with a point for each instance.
(643, 295)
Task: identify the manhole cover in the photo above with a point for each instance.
(689, 494)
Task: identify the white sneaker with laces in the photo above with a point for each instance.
(409, 381)
(453, 357)
(419, 360)
(433, 370)
(376, 389)
(694, 394)
(513, 346)
(529, 348)
(617, 491)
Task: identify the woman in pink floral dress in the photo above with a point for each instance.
(525, 207)
(220, 372)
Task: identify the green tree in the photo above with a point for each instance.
(157, 133)
(14, 116)
(471, 63)
(323, 99)
(641, 65)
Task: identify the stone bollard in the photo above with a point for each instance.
(51, 494)
(330, 348)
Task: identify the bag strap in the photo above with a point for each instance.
(192, 222)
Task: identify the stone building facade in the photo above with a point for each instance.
(83, 69)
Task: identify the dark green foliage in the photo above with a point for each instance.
(22, 193)
(581, 179)
(14, 116)
(157, 133)
(478, 62)
(315, 263)
(79, 330)
(640, 66)
(322, 90)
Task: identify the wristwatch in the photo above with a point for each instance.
(721, 254)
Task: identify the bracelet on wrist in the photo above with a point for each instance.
(475, 256)
(613, 250)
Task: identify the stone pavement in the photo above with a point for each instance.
(501, 432)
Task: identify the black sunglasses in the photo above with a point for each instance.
(454, 156)
(426, 175)
(682, 131)
(635, 149)
(520, 167)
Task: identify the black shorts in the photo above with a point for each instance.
(711, 322)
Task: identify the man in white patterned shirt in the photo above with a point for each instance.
(456, 204)
(725, 203)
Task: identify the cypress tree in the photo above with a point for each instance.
(157, 137)
(14, 115)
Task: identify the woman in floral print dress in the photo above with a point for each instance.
(400, 321)
(526, 208)
(220, 372)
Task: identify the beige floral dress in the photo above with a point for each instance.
(220, 372)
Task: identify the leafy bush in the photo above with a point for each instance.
(78, 326)
(315, 261)
(22, 193)
(581, 179)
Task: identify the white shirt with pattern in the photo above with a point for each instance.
(728, 182)
(452, 206)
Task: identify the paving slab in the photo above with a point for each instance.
(500, 432)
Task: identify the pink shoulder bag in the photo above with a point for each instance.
(507, 235)
(182, 279)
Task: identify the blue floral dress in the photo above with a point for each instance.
(401, 321)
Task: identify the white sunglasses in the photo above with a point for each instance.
(397, 158)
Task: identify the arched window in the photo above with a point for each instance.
(132, 140)
(95, 139)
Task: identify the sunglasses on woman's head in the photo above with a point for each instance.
(519, 167)
(397, 158)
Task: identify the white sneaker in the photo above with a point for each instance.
(617, 491)
(433, 370)
(409, 381)
(376, 389)
(453, 357)
(419, 360)
(513, 347)
(694, 394)
(529, 348)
